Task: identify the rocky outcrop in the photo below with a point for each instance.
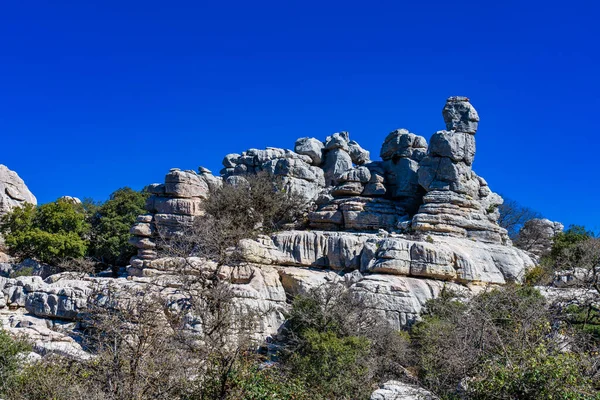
(171, 207)
(13, 191)
(402, 228)
(441, 258)
(537, 235)
(458, 202)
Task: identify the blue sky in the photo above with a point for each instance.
(97, 95)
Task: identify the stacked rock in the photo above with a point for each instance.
(457, 202)
(299, 173)
(351, 199)
(401, 153)
(171, 206)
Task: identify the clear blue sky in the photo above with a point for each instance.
(96, 95)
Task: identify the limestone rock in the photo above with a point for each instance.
(442, 258)
(13, 191)
(460, 115)
(401, 153)
(338, 140)
(537, 235)
(358, 214)
(458, 202)
(185, 184)
(337, 162)
(70, 199)
(310, 147)
(358, 155)
(399, 299)
(455, 146)
(395, 390)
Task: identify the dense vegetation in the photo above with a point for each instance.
(65, 232)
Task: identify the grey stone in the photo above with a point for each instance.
(358, 155)
(395, 390)
(13, 191)
(338, 140)
(460, 115)
(337, 161)
(185, 184)
(458, 146)
(401, 143)
(310, 147)
(231, 160)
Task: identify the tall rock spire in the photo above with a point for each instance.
(458, 202)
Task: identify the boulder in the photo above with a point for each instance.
(310, 147)
(460, 115)
(13, 191)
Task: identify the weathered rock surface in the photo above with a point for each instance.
(458, 202)
(13, 191)
(394, 390)
(442, 258)
(537, 235)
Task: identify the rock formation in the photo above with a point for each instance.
(13, 191)
(406, 226)
(537, 235)
(396, 232)
(458, 202)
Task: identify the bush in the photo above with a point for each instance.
(55, 379)
(9, 361)
(253, 206)
(568, 239)
(333, 366)
(503, 343)
(534, 374)
(339, 347)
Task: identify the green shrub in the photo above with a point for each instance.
(332, 365)
(111, 223)
(252, 381)
(27, 271)
(568, 239)
(340, 347)
(9, 361)
(534, 374)
(455, 338)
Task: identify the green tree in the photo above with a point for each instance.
(568, 239)
(49, 233)
(111, 223)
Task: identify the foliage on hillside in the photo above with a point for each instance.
(61, 231)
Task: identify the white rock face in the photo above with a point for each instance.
(47, 336)
(443, 258)
(13, 191)
(38, 308)
(394, 390)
